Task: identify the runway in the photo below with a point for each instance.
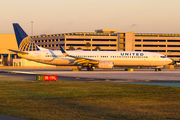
(144, 75)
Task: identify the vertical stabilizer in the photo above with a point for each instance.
(24, 42)
(19, 32)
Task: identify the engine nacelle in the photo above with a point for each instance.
(106, 65)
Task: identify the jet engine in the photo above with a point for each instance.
(106, 65)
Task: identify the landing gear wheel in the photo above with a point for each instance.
(157, 69)
(89, 68)
(79, 68)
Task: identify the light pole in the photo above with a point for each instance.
(31, 28)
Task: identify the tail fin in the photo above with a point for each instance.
(24, 42)
(19, 32)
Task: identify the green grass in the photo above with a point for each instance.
(88, 100)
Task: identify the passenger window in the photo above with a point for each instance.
(163, 56)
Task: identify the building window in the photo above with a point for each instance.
(112, 45)
(173, 56)
(173, 46)
(173, 40)
(137, 45)
(138, 40)
(154, 50)
(154, 40)
(173, 51)
(103, 39)
(154, 45)
(78, 39)
(75, 45)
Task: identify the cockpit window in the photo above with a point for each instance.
(163, 56)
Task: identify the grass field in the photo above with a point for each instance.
(87, 100)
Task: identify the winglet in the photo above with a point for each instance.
(62, 50)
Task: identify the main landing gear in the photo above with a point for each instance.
(89, 67)
(157, 69)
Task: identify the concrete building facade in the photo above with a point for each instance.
(167, 44)
(107, 41)
(7, 41)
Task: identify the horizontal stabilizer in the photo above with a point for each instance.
(16, 51)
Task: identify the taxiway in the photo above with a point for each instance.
(144, 75)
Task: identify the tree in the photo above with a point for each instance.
(71, 48)
(97, 48)
(88, 45)
(79, 48)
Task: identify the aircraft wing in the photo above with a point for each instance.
(16, 51)
(81, 60)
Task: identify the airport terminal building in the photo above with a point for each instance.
(105, 39)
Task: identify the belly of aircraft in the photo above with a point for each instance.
(71, 62)
(138, 63)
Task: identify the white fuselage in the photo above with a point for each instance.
(120, 58)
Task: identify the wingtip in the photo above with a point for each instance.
(62, 50)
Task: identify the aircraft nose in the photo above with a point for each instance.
(169, 60)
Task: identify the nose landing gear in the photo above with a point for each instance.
(157, 69)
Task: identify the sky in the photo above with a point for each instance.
(66, 16)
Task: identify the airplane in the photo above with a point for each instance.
(89, 59)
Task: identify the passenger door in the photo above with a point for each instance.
(154, 57)
(38, 56)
